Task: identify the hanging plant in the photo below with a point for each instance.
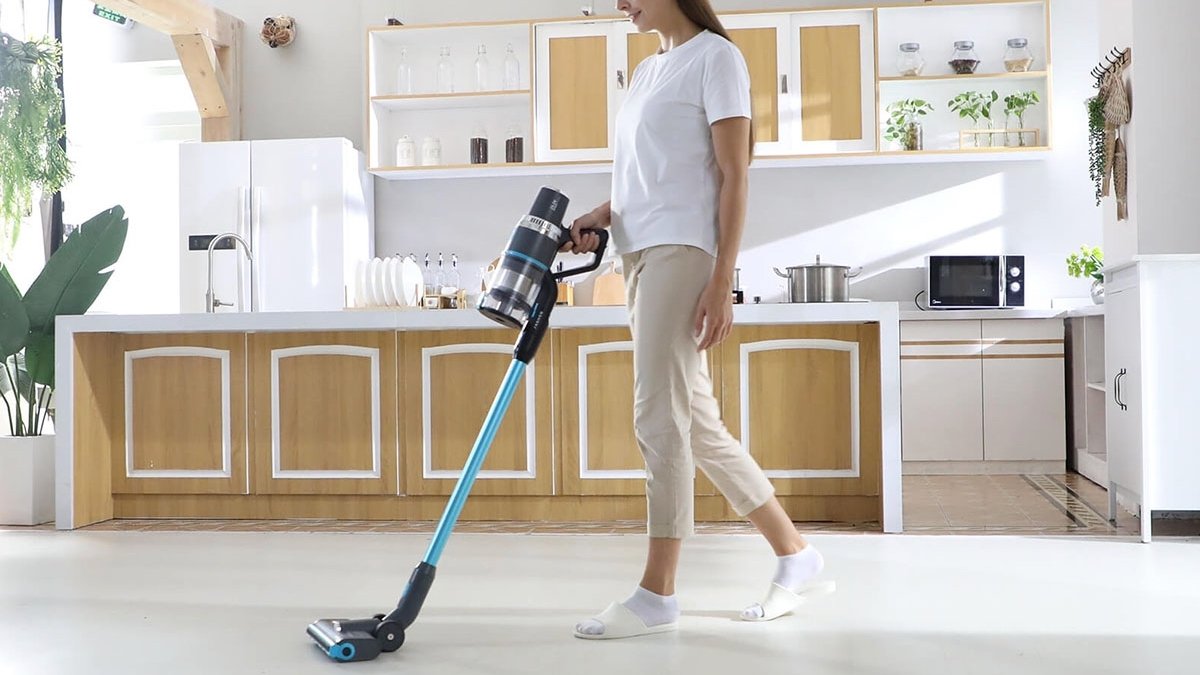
(1096, 144)
(30, 130)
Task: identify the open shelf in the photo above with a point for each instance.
(1030, 75)
(483, 99)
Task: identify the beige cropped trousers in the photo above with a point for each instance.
(677, 420)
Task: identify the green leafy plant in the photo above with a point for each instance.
(1017, 104)
(974, 105)
(902, 122)
(30, 130)
(1097, 151)
(1089, 262)
(68, 284)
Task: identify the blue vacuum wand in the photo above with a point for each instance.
(521, 294)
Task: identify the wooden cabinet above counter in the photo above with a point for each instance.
(349, 419)
(822, 81)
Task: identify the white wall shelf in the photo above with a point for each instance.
(487, 99)
(1030, 75)
(497, 170)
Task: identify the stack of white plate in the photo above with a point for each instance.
(388, 282)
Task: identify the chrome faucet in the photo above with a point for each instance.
(211, 302)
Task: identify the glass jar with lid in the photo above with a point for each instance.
(964, 61)
(910, 62)
(1018, 58)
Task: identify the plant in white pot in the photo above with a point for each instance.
(69, 283)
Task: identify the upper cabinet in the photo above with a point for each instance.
(823, 84)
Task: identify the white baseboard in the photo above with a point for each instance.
(983, 468)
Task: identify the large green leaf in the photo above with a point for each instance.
(14, 367)
(39, 359)
(74, 276)
(14, 321)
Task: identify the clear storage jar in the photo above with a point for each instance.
(1018, 58)
(910, 62)
(964, 61)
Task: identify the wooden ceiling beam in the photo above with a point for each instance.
(179, 17)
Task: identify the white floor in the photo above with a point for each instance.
(225, 603)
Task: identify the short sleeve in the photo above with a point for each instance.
(726, 85)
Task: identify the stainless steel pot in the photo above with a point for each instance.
(818, 282)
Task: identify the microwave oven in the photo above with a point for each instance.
(975, 281)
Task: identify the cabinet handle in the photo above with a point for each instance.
(1117, 389)
(620, 79)
(783, 88)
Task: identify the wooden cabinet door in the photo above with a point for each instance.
(324, 413)
(1024, 397)
(805, 401)
(941, 391)
(763, 41)
(576, 84)
(451, 378)
(180, 422)
(833, 65)
(594, 387)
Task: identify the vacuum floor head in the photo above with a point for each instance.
(356, 639)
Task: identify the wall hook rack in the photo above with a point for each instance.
(1112, 60)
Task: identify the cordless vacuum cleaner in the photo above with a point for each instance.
(521, 294)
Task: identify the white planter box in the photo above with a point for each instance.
(26, 480)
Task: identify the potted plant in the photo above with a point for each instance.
(903, 124)
(977, 107)
(1089, 262)
(30, 130)
(68, 284)
(1016, 105)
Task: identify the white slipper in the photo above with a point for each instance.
(620, 622)
(780, 600)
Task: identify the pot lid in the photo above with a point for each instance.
(817, 264)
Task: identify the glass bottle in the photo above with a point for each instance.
(479, 145)
(964, 61)
(481, 70)
(453, 281)
(512, 70)
(404, 74)
(514, 146)
(429, 280)
(1018, 58)
(445, 73)
(910, 63)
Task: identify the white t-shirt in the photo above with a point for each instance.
(665, 177)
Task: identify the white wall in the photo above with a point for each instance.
(884, 218)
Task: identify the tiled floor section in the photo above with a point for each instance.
(1035, 504)
(1015, 505)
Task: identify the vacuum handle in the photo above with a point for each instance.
(592, 266)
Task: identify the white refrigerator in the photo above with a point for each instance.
(305, 207)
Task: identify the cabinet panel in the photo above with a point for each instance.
(594, 384)
(450, 381)
(764, 44)
(830, 73)
(575, 97)
(324, 408)
(1123, 414)
(833, 56)
(638, 48)
(805, 402)
(942, 407)
(181, 421)
(1024, 415)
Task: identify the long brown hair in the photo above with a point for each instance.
(701, 13)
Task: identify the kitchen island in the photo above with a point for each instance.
(371, 414)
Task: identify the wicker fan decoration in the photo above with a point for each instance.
(278, 31)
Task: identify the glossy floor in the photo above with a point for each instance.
(183, 603)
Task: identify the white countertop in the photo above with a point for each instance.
(976, 314)
(563, 317)
(1087, 310)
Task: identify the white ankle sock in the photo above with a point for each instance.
(791, 572)
(653, 609)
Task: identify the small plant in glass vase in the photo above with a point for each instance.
(903, 124)
(1015, 106)
(1089, 262)
(977, 107)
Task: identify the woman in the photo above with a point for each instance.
(682, 149)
